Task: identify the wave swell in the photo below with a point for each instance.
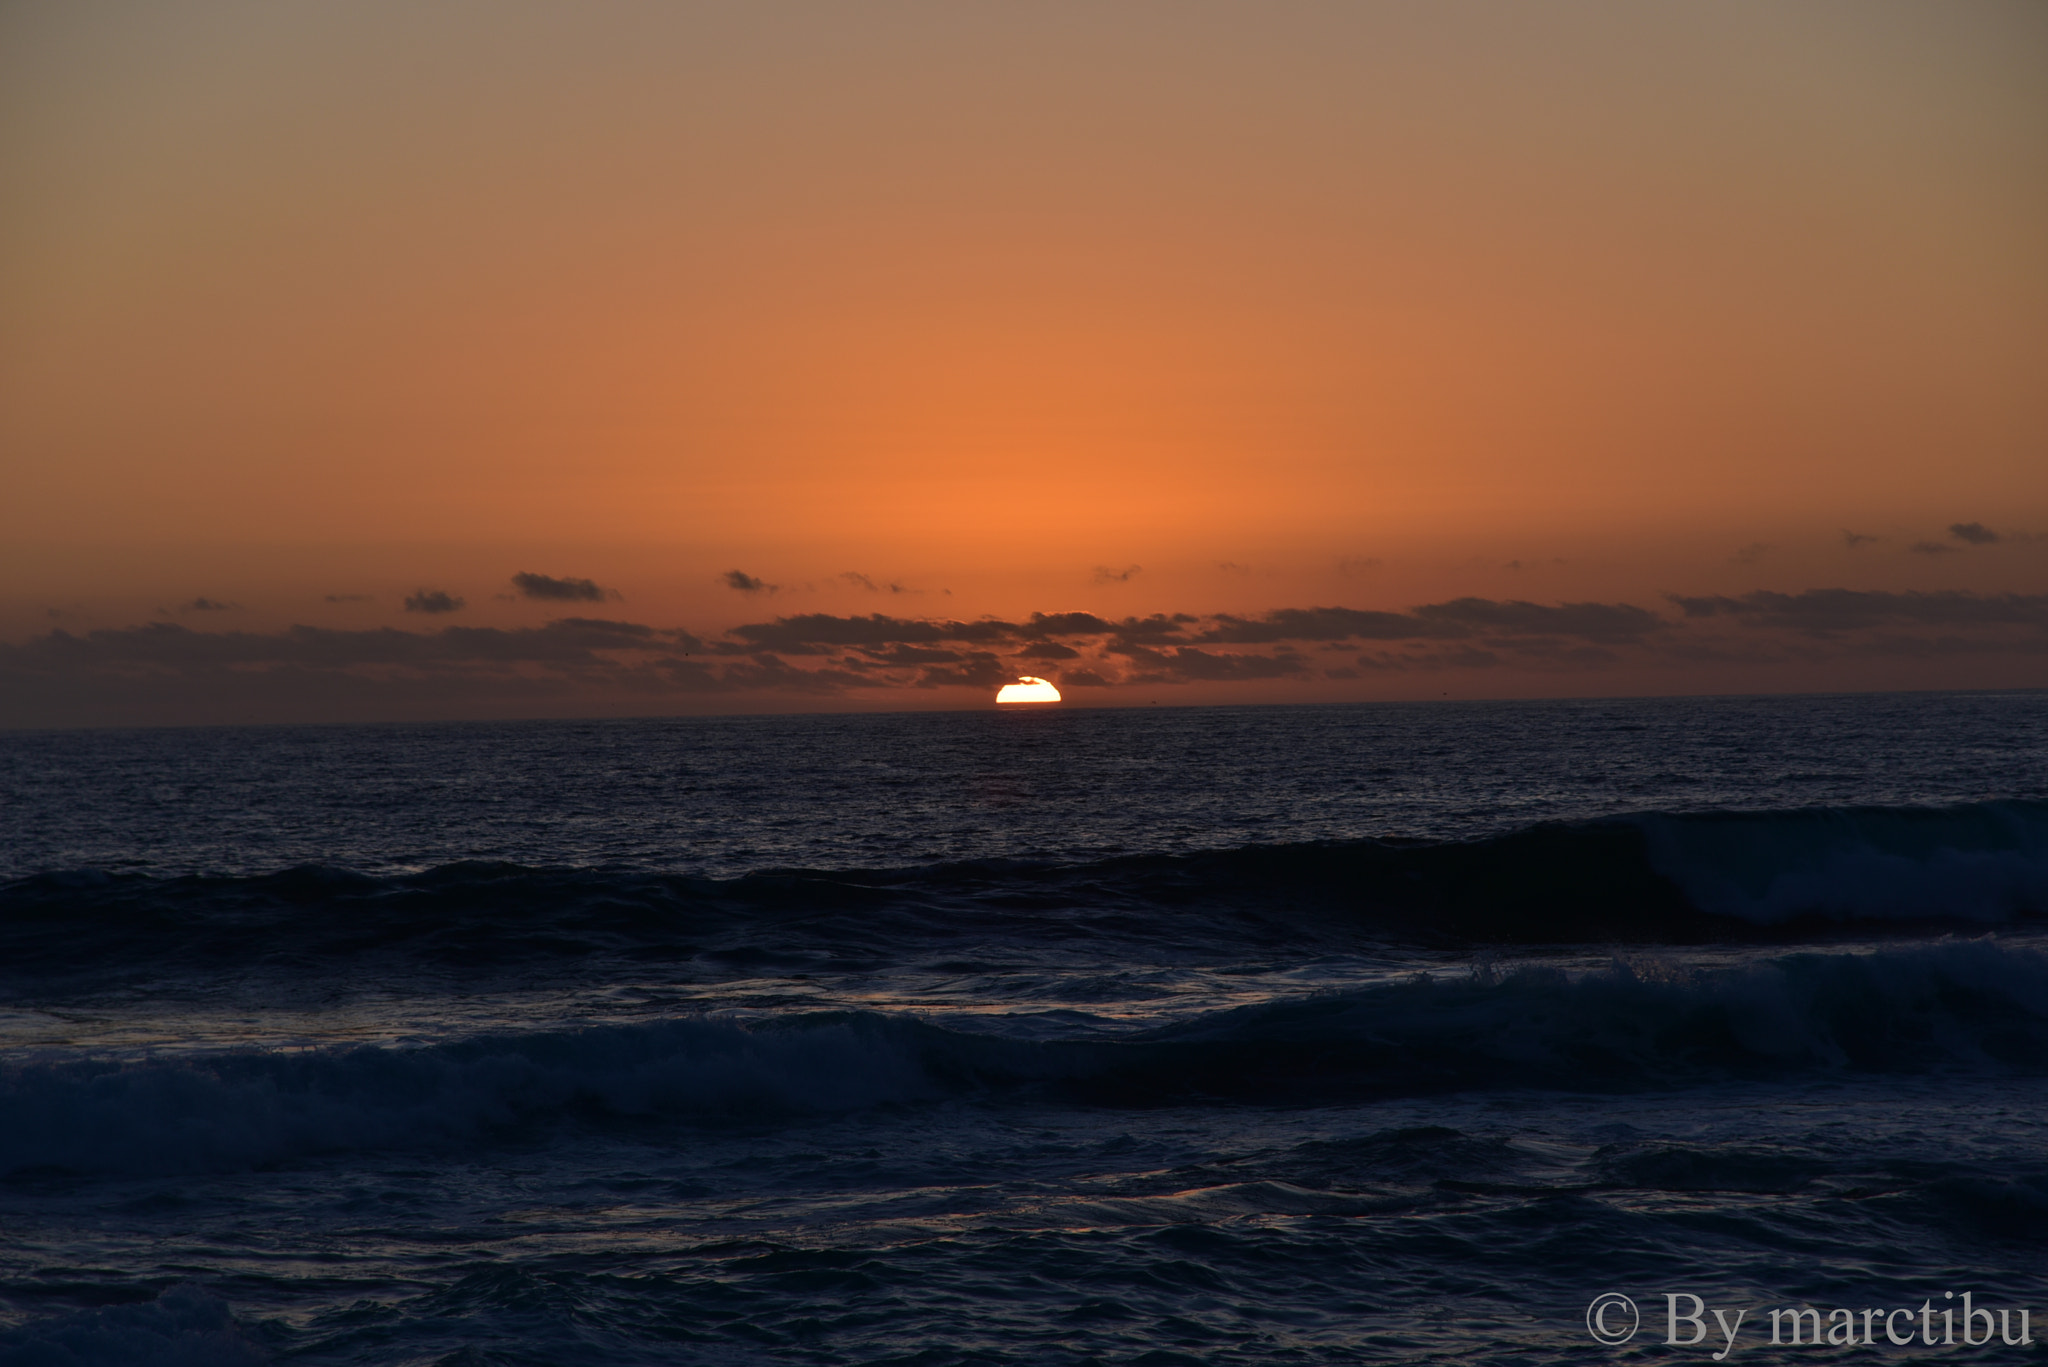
(1956, 1006)
(1655, 878)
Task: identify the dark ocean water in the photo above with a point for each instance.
(1238, 1035)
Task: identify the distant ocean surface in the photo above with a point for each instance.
(1166, 1036)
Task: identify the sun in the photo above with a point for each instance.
(1028, 689)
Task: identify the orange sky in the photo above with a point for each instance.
(1286, 305)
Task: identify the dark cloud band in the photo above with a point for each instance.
(50, 676)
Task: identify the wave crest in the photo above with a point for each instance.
(1972, 1006)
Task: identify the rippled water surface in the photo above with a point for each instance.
(1177, 1035)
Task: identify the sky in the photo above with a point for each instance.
(385, 361)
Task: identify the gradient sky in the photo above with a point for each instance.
(964, 311)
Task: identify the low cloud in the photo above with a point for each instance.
(820, 633)
(746, 583)
(434, 600)
(348, 598)
(1753, 552)
(1187, 664)
(1931, 548)
(167, 666)
(1976, 533)
(1105, 575)
(1823, 611)
(206, 605)
(548, 587)
(1067, 624)
(861, 581)
(1611, 623)
(1853, 540)
(978, 669)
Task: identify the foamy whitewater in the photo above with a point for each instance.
(1235, 1035)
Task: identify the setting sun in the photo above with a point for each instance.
(1028, 689)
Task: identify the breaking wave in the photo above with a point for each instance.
(1654, 878)
(1971, 1006)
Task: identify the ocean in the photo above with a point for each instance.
(1508, 1032)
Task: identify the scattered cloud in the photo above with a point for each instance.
(1606, 622)
(1068, 624)
(207, 605)
(1358, 564)
(979, 669)
(348, 598)
(1976, 533)
(861, 581)
(1232, 567)
(821, 654)
(1186, 664)
(434, 600)
(1105, 575)
(909, 655)
(561, 590)
(820, 633)
(1319, 624)
(1853, 540)
(1753, 552)
(746, 583)
(1931, 548)
(1823, 611)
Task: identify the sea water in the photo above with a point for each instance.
(1232, 1035)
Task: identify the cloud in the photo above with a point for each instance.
(1232, 567)
(976, 670)
(1322, 624)
(348, 598)
(912, 655)
(1753, 552)
(434, 600)
(1605, 622)
(1067, 624)
(1855, 539)
(1823, 611)
(1358, 564)
(1976, 533)
(167, 671)
(1453, 620)
(1931, 548)
(1186, 664)
(861, 581)
(206, 605)
(1105, 575)
(1159, 627)
(163, 645)
(820, 633)
(747, 583)
(561, 590)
